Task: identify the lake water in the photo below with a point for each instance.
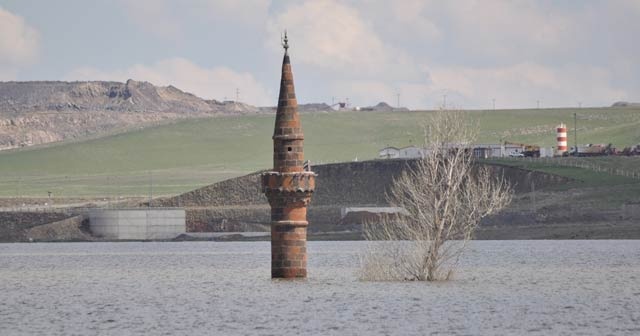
(223, 288)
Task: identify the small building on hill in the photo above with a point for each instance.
(409, 152)
(389, 153)
(480, 151)
(412, 152)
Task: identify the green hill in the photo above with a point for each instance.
(188, 154)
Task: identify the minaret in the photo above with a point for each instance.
(289, 185)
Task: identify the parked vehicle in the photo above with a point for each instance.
(527, 150)
(633, 150)
(593, 150)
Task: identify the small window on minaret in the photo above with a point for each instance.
(288, 149)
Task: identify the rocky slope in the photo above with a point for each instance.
(33, 113)
(383, 107)
(41, 112)
(625, 104)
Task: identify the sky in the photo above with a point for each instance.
(471, 53)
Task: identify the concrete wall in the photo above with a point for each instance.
(137, 224)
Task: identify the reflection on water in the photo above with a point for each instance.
(191, 288)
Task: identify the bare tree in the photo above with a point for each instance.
(444, 197)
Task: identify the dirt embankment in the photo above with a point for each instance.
(42, 226)
(238, 205)
(352, 184)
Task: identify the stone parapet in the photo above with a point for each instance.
(296, 182)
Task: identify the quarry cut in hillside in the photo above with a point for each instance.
(42, 112)
(33, 113)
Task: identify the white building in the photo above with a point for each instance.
(411, 152)
(479, 150)
(389, 153)
(496, 150)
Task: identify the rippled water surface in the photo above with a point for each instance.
(214, 288)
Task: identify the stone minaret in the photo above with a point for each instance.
(289, 185)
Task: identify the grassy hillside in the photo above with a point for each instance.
(598, 182)
(185, 155)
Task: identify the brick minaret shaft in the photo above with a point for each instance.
(288, 186)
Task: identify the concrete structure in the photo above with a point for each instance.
(288, 186)
(561, 138)
(374, 210)
(389, 153)
(409, 152)
(412, 152)
(479, 150)
(137, 223)
(546, 152)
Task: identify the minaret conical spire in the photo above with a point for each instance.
(288, 137)
(289, 185)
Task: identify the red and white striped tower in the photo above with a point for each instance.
(561, 137)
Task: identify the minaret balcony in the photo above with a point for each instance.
(290, 182)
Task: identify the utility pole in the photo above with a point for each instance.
(494, 104)
(108, 193)
(398, 94)
(150, 187)
(538, 104)
(575, 131)
(333, 101)
(237, 95)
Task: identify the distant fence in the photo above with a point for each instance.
(69, 210)
(579, 163)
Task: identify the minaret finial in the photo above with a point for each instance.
(285, 42)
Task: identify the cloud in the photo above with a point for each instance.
(523, 84)
(511, 30)
(246, 12)
(19, 44)
(155, 17)
(369, 50)
(334, 36)
(517, 52)
(170, 20)
(209, 83)
(514, 86)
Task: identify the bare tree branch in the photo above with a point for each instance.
(445, 195)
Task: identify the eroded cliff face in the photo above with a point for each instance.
(33, 113)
